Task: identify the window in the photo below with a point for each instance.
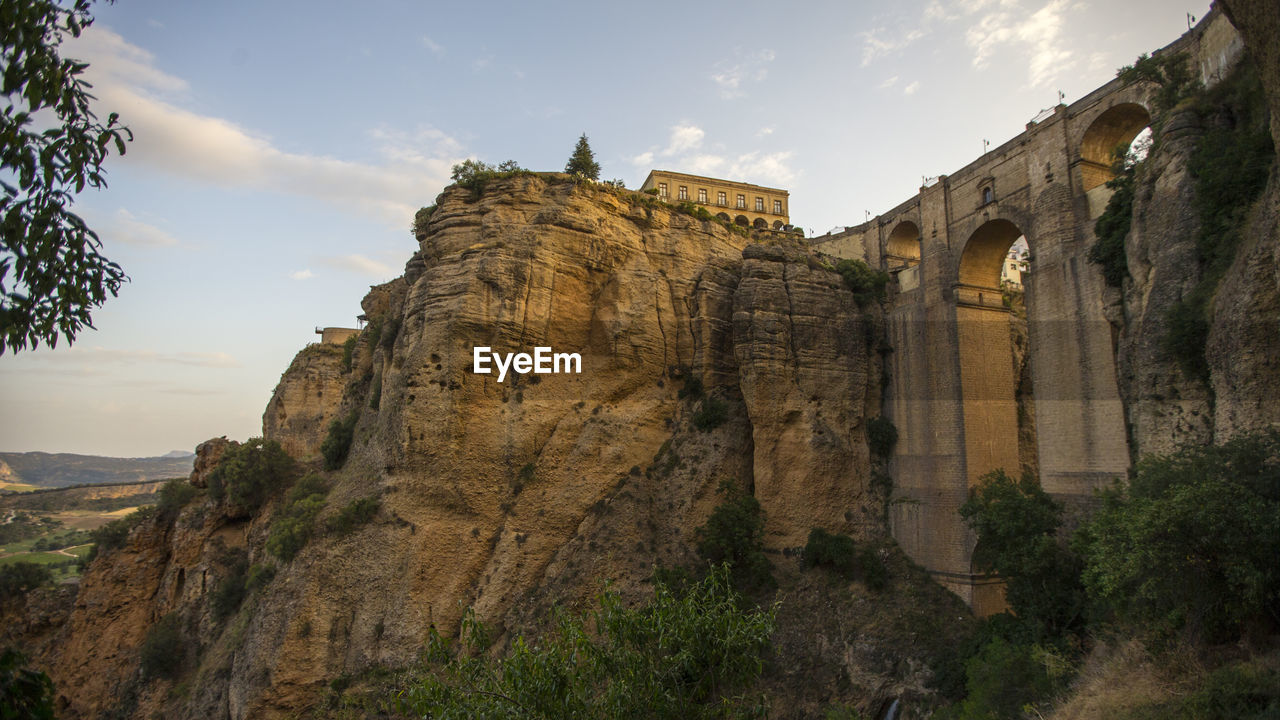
(662, 189)
(759, 204)
(742, 202)
(684, 193)
(987, 195)
(721, 199)
(777, 207)
(702, 195)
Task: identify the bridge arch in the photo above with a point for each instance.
(902, 247)
(1117, 125)
(984, 253)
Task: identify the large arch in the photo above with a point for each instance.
(902, 247)
(1116, 126)
(989, 372)
(760, 224)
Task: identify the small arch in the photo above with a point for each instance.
(760, 224)
(1117, 126)
(984, 254)
(742, 220)
(777, 224)
(902, 247)
(723, 216)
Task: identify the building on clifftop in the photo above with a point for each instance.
(748, 205)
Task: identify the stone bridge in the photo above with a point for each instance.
(961, 398)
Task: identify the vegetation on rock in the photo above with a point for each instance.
(338, 443)
(24, 693)
(295, 522)
(866, 283)
(842, 555)
(249, 473)
(583, 162)
(692, 654)
(734, 536)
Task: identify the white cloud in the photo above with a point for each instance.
(217, 151)
(304, 274)
(768, 168)
(360, 265)
(122, 226)
(764, 132)
(881, 41)
(703, 164)
(436, 48)
(643, 159)
(911, 89)
(732, 75)
(684, 137)
(1036, 33)
(890, 82)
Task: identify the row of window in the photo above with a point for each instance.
(721, 198)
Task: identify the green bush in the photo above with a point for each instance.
(1172, 73)
(173, 496)
(24, 693)
(420, 220)
(881, 436)
(260, 576)
(338, 443)
(840, 554)
(349, 351)
(693, 655)
(162, 652)
(295, 523)
(865, 283)
(17, 579)
(1191, 544)
(354, 515)
(734, 535)
(1002, 681)
(229, 591)
(1017, 523)
(1112, 227)
(475, 175)
(711, 414)
(249, 473)
(375, 392)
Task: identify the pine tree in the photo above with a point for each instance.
(583, 161)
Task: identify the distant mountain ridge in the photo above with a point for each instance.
(53, 470)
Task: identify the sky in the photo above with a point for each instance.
(281, 148)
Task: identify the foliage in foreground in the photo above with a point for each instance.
(53, 146)
(24, 693)
(1192, 545)
(687, 655)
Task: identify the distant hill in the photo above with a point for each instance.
(53, 470)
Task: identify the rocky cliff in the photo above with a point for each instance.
(1198, 352)
(510, 496)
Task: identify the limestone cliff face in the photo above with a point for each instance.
(306, 400)
(509, 496)
(1165, 407)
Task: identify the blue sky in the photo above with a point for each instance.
(281, 149)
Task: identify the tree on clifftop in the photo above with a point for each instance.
(583, 161)
(58, 275)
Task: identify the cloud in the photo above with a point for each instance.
(214, 150)
(769, 167)
(360, 265)
(911, 89)
(703, 164)
(643, 159)
(732, 75)
(304, 274)
(881, 41)
(1036, 33)
(123, 227)
(97, 357)
(436, 48)
(889, 82)
(683, 137)
(764, 132)
(482, 63)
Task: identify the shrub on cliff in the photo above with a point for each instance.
(248, 473)
(1191, 544)
(734, 535)
(24, 693)
(840, 554)
(355, 514)
(882, 435)
(17, 579)
(173, 496)
(583, 161)
(295, 523)
(711, 413)
(162, 652)
(692, 654)
(865, 283)
(338, 442)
